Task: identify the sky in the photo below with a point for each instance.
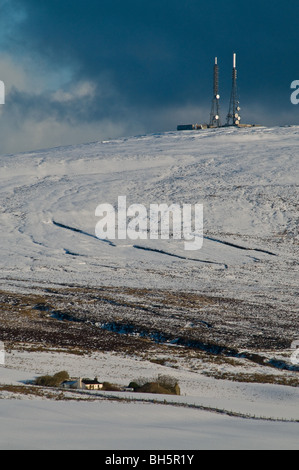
(81, 71)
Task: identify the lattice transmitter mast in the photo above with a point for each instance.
(233, 117)
(215, 111)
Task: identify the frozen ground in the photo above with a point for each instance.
(240, 290)
(247, 180)
(95, 423)
(36, 425)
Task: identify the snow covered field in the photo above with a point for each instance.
(69, 426)
(40, 423)
(247, 181)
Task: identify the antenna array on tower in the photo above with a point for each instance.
(215, 111)
(233, 117)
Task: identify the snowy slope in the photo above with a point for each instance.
(246, 179)
(41, 423)
(114, 426)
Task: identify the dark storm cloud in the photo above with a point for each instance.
(162, 50)
(147, 57)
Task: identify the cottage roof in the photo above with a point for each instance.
(91, 382)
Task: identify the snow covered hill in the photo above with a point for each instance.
(246, 179)
(240, 290)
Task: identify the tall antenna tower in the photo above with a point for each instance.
(233, 117)
(215, 116)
